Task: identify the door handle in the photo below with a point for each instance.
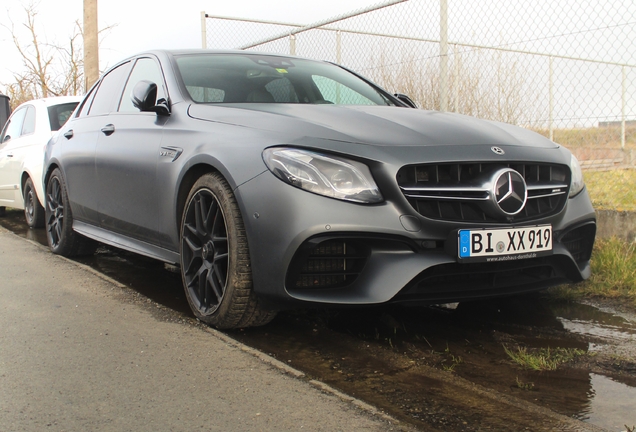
(108, 129)
(68, 134)
(10, 155)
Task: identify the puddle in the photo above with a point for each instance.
(406, 361)
(591, 321)
(610, 404)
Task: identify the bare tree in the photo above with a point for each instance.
(49, 69)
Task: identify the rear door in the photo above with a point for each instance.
(78, 139)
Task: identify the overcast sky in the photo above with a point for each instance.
(145, 24)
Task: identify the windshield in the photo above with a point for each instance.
(249, 78)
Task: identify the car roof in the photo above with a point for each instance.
(51, 101)
(180, 52)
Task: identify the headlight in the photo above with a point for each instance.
(577, 177)
(330, 176)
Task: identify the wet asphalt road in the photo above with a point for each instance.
(78, 353)
(381, 355)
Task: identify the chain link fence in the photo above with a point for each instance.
(566, 69)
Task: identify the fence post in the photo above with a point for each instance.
(338, 47)
(551, 98)
(292, 44)
(204, 32)
(443, 59)
(456, 79)
(624, 84)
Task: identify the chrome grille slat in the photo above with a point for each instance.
(447, 191)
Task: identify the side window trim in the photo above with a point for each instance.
(88, 100)
(116, 78)
(29, 117)
(17, 115)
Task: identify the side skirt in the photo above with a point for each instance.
(126, 243)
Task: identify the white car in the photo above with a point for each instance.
(22, 143)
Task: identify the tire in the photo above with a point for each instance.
(3, 211)
(59, 221)
(33, 210)
(215, 264)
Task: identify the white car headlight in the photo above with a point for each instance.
(577, 177)
(330, 176)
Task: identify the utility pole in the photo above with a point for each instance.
(91, 44)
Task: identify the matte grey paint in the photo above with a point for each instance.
(125, 192)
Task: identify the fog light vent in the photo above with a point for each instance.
(330, 264)
(579, 242)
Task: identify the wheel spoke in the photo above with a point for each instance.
(220, 257)
(191, 228)
(58, 231)
(200, 214)
(203, 290)
(216, 284)
(193, 256)
(212, 217)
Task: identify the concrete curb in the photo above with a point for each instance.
(616, 223)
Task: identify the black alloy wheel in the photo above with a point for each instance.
(33, 210)
(215, 258)
(54, 212)
(205, 252)
(59, 221)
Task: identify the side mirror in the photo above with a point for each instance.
(144, 98)
(405, 100)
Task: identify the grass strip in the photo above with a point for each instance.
(542, 359)
(612, 190)
(613, 273)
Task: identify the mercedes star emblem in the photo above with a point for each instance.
(509, 191)
(497, 150)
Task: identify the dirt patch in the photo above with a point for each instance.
(444, 368)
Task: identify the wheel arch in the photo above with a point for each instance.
(49, 170)
(185, 185)
(23, 179)
(37, 185)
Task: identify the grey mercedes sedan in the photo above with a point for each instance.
(277, 182)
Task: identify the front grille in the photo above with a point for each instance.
(579, 242)
(330, 264)
(457, 192)
(455, 282)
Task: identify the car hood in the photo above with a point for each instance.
(372, 125)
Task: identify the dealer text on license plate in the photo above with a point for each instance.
(505, 244)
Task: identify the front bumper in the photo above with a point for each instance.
(307, 248)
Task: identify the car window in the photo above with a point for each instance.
(337, 93)
(86, 103)
(145, 69)
(254, 78)
(58, 114)
(13, 128)
(282, 90)
(109, 91)
(206, 94)
(29, 121)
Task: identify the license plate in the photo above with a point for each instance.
(509, 244)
